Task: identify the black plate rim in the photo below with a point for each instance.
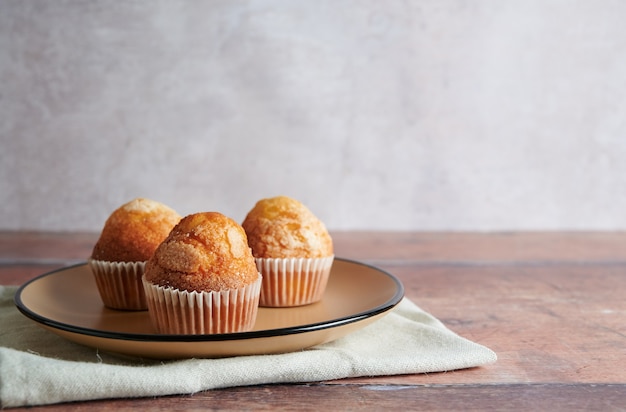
(265, 333)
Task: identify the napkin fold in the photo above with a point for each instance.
(38, 367)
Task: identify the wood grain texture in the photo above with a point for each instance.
(351, 397)
(397, 247)
(551, 305)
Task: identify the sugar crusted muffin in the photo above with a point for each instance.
(134, 230)
(203, 278)
(128, 239)
(282, 227)
(293, 251)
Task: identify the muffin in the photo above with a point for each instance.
(203, 279)
(130, 236)
(292, 250)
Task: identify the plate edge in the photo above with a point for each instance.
(385, 307)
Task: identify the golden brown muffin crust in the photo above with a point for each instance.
(134, 230)
(282, 227)
(205, 252)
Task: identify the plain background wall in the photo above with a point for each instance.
(382, 115)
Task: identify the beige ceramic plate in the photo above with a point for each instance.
(67, 303)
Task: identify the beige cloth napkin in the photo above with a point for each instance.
(38, 367)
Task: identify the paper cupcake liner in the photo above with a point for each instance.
(180, 312)
(119, 284)
(291, 282)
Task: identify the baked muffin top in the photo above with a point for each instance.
(205, 251)
(134, 230)
(282, 227)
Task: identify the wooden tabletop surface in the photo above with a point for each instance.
(551, 305)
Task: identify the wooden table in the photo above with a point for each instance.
(551, 305)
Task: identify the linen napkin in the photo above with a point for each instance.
(38, 367)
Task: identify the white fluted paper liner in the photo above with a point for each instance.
(291, 282)
(174, 311)
(119, 284)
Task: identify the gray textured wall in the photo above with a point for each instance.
(424, 115)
